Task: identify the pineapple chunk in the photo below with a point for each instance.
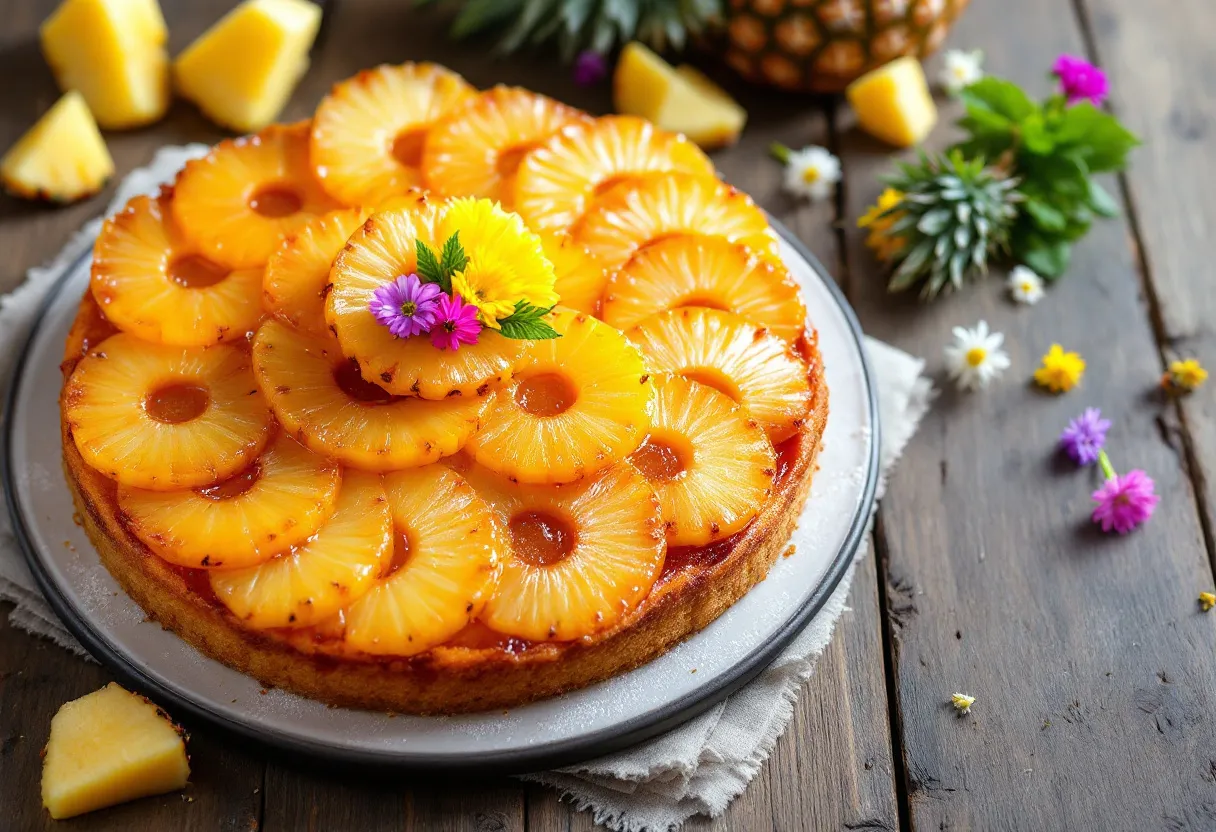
(61, 158)
(678, 99)
(109, 747)
(893, 103)
(242, 70)
(113, 52)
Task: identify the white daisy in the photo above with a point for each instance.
(1024, 285)
(962, 69)
(812, 172)
(976, 358)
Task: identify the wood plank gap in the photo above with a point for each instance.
(1188, 453)
(894, 712)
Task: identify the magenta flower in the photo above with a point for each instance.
(407, 306)
(1085, 436)
(1123, 502)
(589, 68)
(1081, 80)
(456, 323)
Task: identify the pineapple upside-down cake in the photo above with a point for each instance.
(444, 400)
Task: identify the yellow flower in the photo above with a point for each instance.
(506, 260)
(1061, 371)
(884, 247)
(1184, 375)
(1207, 600)
(962, 702)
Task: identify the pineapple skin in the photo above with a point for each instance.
(113, 52)
(109, 747)
(242, 70)
(62, 158)
(823, 45)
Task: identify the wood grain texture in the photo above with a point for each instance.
(1092, 664)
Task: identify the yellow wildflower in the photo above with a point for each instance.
(490, 284)
(884, 247)
(1207, 600)
(962, 702)
(1061, 371)
(1184, 375)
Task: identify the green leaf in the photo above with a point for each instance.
(478, 15)
(527, 323)
(1044, 215)
(1000, 96)
(453, 258)
(429, 269)
(1035, 136)
(1050, 259)
(1096, 136)
(1101, 202)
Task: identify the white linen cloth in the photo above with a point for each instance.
(699, 767)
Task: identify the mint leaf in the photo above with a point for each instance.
(453, 258)
(1095, 136)
(1100, 202)
(1047, 257)
(428, 265)
(527, 323)
(999, 96)
(1044, 215)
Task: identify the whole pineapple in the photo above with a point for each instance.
(952, 216)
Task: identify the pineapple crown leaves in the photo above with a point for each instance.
(576, 25)
(527, 323)
(954, 215)
(439, 269)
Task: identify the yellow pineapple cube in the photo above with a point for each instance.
(893, 103)
(61, 158)
(242, 70)
(678, 99)
(109, 747)
(113, 52)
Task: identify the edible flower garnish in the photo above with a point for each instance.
(1025, 286)
(1061, 371)
(406, 306)
(961, 69)
(811, 172)
(1183, 376)
(455, 324)
(879, 220)
(962, 703)
(1207, 600)
(1080, 80)
(589, 68)
(1084, 437)
(1123, 502)
(975, 357)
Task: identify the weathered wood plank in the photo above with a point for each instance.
(1092, 665)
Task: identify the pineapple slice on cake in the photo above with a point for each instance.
(477, 149)
(581, 278)
(746, 362)
(709, 462)
(578, 403)
(319, 397)
(694, 270)
(237, 202)
(161, 417)
(443, 569)
(314, 581)
(578, 557)
(636, 213)
(557, 182)
(278, 502)
(62, 158)
(368, 133)
(151, 282)
(297, 273)
(377, 253)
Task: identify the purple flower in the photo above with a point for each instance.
(1081, 80)
(407, 306)
(1124, 502)
(456, 323)
(1085, 436)
(589, 68)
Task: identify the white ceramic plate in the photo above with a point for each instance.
(579, 725)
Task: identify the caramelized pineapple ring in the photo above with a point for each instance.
(377, 253)
(695, 270)
(238, 201)
(442, 572)
(710, 464)
(164, 418)
(751, 366)
(278, 502)
(581, 278)
(151, 282)
(559, 180)
(313, 582)
(297, 273)
(637, 213)
(319, 397)
(368, 133)
(578, 404)
(477, 149)
(579, 557)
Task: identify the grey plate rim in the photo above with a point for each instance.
(533, 758)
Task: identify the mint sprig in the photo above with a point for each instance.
(438, 269)
(526, 323)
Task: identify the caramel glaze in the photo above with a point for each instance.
(475, 636)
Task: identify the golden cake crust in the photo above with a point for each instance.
(478, 672)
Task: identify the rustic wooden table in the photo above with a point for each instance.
(1095, 670)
